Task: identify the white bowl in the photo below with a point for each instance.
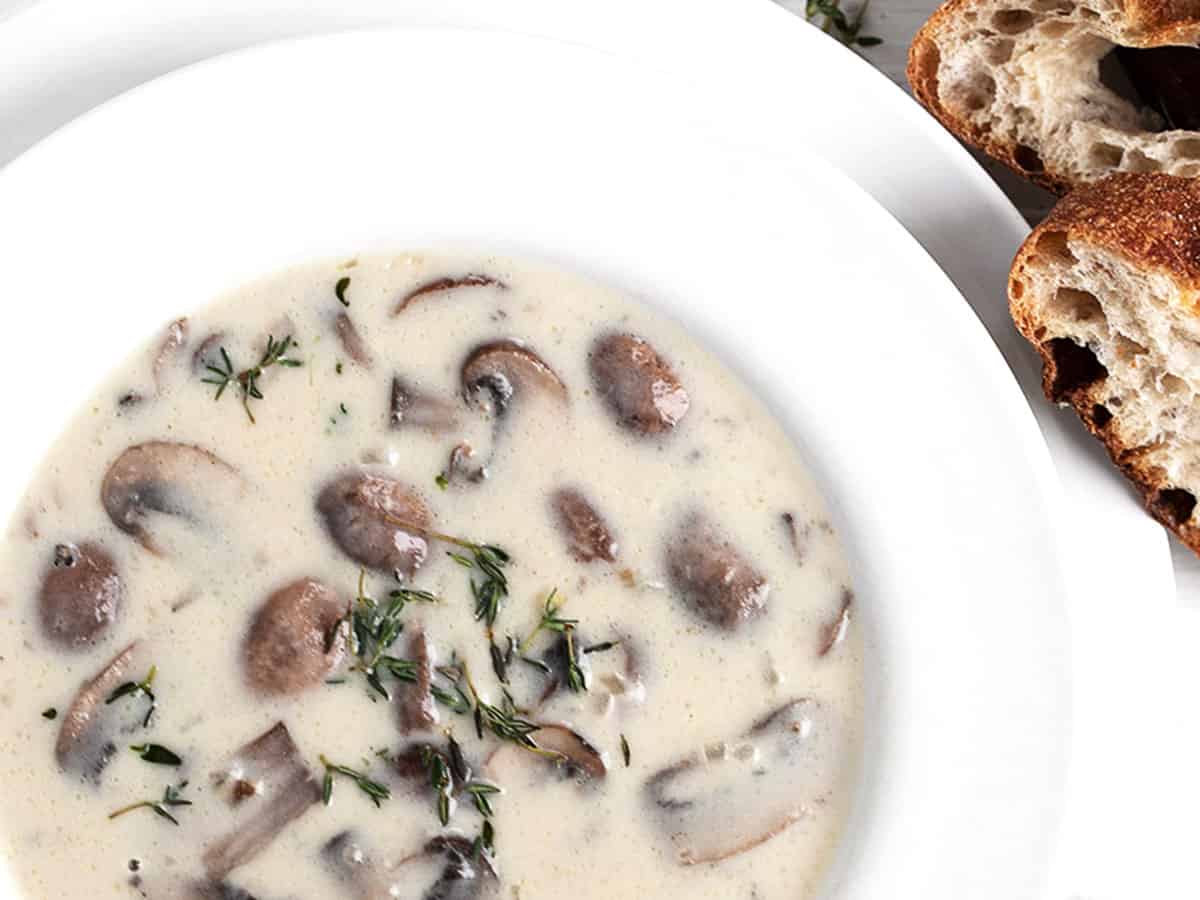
(924, 445)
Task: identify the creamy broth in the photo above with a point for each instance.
(646, 501)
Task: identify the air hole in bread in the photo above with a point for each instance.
(1073, 368)
(1012, 21)
(1000, 51)
(1127, 350)
(1106, 156)
(1100, 415)
(1059, 6)
(979, 93)
(1088, 14)
(1079, 305)
(1052, 245)
(1173, 385)
(1055, 28)
(1027, 158)
(1137, 161)
(1188, 148)
(1174, 506)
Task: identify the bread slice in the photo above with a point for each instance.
(1107, 289)
(1022, 81)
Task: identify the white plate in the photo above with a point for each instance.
(891, 387)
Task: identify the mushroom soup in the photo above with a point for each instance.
(425, 577)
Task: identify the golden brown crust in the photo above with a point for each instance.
(1148, 23)
(1154, 222)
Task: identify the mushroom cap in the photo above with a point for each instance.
(579, 758)
(588, 536)
(80, 596)
(713, 576)
(741, 793)
(495, 372)
(441, 285)
(362, 513)
(163, 477)
(638, 385)
(416, 710)
(351, 341)
(294, 641)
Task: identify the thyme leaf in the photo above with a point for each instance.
(157, 754)
(625, 752)
(51, 714)
(373, 789)
(844, 28)
(171, 798)
(137, 689)
(339, 290)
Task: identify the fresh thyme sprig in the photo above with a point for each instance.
(503, 721)
(444, 770)
(847, 29)
(138, 689)
(373, 789)
(481, 793)
(171, 798)
(225, 374)
(157, 754)
(552, 621)
(440, 781)
(373, 629)
(488, 559)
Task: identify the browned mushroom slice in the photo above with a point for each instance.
(713, 576)
(286, 789)
(167, 479)
(742, 793)
(495, 372)
(588, 535)
(294, 640)
(639, 386)
(351, 340)
(834, 631)
(80, 596)
(468, 873)
(376, 521)
(441, 285)
(86, 740)
(576, 755)
(208, 890)
(416, 710)
(173, 341)
(410, 406)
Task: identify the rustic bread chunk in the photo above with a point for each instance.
(1107, 290)
(1037, 84)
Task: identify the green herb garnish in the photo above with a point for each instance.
(601, 648)
(625, 753)
(439, 780)
(340, 290)
(552, 621)
(171, 798)
(503, 721)
(374, 627)
(441, 481)
(157, 754)
(481, 792)
(845, 29)
(138, 689)
(373, 789)
(50, 714)
(247, 379)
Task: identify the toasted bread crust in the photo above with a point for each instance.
(1153, 221)
(1144, 23)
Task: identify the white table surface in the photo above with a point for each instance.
(1137, 845)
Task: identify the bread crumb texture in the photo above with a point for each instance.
(1030, 83)
(1107, 290)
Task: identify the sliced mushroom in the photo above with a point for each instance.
(286, 790)
(459, 467)
(740, 794)
(359, 869)
(416, 710)
(352, 342)
(80, 596)
(173, 341)
(495, 372)
(376, 521)
(164, 478)
(834, 631)
(639, 386)
(441, 285)
(468, 873)
(294, 640)
(211, 890)
(413, 407)
(578, 758)
(588, 536)
(87, 739)
(712, 575)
